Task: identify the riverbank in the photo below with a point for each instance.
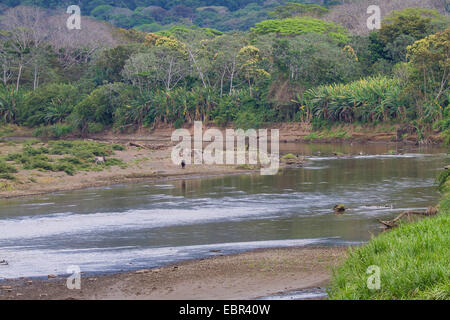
(26, 231)
(412, 261)
(246, 275)
(135, 164)
(152, 161)
(289, 132)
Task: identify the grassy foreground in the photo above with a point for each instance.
(414, 261)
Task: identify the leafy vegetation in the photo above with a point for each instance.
(59, 156)
(366, 100)
(295, 65)
(297, 26)
(413, 260)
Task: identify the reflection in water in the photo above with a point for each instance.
(130, 226)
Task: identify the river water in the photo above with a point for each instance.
(128, 227)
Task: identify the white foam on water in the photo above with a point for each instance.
(298, 295)
(32, 262)
(372, 156)
(68, 223)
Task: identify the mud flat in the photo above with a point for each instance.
(249, 275)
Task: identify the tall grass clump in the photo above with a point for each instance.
(413, 261)
(6, 170)
(366, 100)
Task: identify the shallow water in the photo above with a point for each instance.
(129, 227)
(306, 294)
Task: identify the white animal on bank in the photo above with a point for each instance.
(99, 160)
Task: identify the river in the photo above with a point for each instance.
(129, 227)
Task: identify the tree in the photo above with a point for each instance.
(27, 33)
(165, 64)
(409, 23)
(182, 11)
(431, 59)
(402, 28)
(109, 65)
(222, 55)
(303, 25)
(193, 38)
(76, 47)
(250, 61)
(313, 60)
(6, 59)
(292, 9)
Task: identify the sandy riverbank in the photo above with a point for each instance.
(141, 165)
(247, 275)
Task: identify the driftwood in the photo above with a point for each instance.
(148, 147)
(431, 211)
(137, 145)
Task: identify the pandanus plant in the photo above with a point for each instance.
(365, 100)
(9, 99)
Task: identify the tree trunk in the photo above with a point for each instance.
(232, 75)
(18, 77)
(35, 78)
(197, 67)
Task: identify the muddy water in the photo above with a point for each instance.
(129, 227)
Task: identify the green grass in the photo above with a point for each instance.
(414, 261)
(446, 137)
(289, 156)
(61, 156)
(6, 131)
(312, 136)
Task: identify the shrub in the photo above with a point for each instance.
(6, 168)
(118, 147)
(49, 104)
(7, 176)
(54, 131)
(10, 103)
(94, 127)
(178, 123)
(446, 135)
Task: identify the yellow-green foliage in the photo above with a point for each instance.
(292, 9)
(296, 26)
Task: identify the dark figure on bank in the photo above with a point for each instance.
(183, 164)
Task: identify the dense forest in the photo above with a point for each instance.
(145, 63)
(155, 15)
